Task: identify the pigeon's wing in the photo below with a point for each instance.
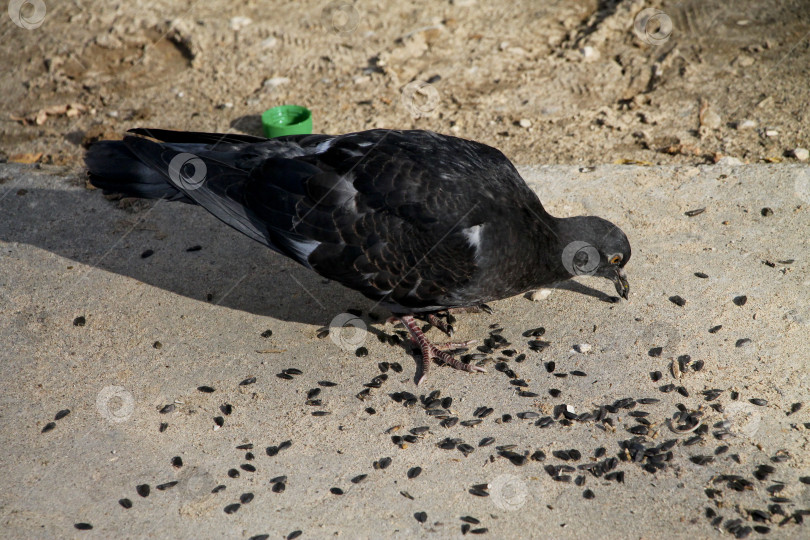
(395, 215)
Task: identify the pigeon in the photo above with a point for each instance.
(419, 222)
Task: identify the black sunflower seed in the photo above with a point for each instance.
(655, 376)
(695, 212)
(293, 371)
(61, 414)
(279, 487)
(534, 332)
(166, 409)
(414, 472)
(162, 427)
(79, 321)
(205, 389)
(470, 519)
(742, 342)
(126, 503)
(219, 488)
(740, 300)
(167, 485)
(550, 366)
(232, 508)
(449, 422)
(361, 352)
(320, 413)
(218, 420)
(796, 407)
(249, 380)
(701, 275)
(233, 473)
(677, 300)
(143, 490)
(523, 393)
(758, 402)
(247, 467)
(293, 535)
(336, 491)
(588, 494)
(226, 408)
(538, 455)
(421, 517)
(465, 449)
(49, 426)
(83, 526)
(326, 384)
(480, 530)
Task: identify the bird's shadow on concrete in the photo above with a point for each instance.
(175, 247)
(181, 249)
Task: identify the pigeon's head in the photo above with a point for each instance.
(596, 247)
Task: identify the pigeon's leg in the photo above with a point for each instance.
(445, 327)
(431, 352)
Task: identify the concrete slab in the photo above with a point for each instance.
(157, 327)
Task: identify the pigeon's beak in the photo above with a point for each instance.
(622, 285)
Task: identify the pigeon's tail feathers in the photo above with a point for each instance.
(113, 167)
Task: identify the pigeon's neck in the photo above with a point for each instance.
(552, 249)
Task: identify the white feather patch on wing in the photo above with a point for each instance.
(302, 249)
(473, 235)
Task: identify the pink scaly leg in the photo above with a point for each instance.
(432, 352)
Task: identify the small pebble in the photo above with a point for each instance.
(79, 321)
(740, 300)
(126, 503)
(147, 253)
(421, 517)
(766, 212)
(143, 490)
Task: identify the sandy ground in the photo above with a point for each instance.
(547, 82)
(156, 328)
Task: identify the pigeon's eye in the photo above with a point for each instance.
(616, 259)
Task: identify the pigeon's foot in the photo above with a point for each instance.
(432, 352)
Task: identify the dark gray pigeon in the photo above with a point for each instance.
(417, 221)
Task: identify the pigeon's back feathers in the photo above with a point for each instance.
(414, 219)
